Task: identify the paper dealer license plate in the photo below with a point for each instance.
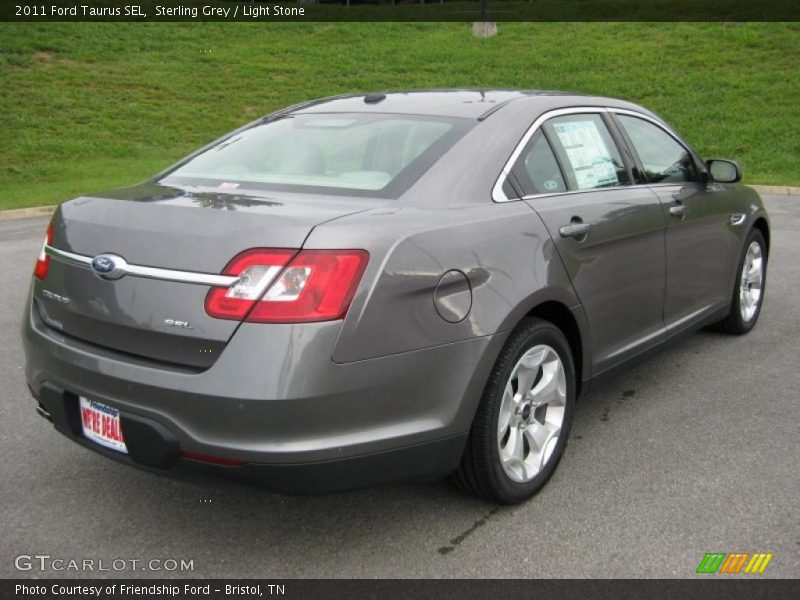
(101, 424)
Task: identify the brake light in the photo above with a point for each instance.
(43, 260)
(287, 286)
(318, 285)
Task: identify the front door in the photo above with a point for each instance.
(699, 238)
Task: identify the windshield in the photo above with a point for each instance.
(348, 153)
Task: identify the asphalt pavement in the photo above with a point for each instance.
(696, 450)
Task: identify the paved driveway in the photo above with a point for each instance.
(696, 450)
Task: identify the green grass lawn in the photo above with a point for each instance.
(90, 106)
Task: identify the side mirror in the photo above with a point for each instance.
(724, 171)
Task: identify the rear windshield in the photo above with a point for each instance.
(342, 154)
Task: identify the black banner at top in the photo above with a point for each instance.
(400, 10)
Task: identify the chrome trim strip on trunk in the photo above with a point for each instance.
(85, 262)
(68, 257)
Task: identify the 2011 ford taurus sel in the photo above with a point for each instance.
(384, 287)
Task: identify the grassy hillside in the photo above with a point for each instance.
(91, 106)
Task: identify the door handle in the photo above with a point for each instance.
(575, 230)
(677, 210)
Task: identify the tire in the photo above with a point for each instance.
(494, 467)
(744, 314)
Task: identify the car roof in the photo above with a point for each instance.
(464, 103)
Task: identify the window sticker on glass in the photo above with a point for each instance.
(551, 185)
(591, 161)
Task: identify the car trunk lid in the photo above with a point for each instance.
(188, 232)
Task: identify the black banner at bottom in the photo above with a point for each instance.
(712, 588)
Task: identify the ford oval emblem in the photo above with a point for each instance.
(103, 264)
(108, 266)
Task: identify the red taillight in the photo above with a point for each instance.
(286, 286)
(318, 285)
(43, 261)
(256, 269)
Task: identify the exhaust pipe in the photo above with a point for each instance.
(43, 413)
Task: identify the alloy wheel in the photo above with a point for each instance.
(751, 282)
(531, 413)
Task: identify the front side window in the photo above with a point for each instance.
(587, 152)
(663, 158)
(346, 153)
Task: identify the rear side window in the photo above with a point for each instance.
(346, 153)
(537, 170)
(587, 152)
(663, 158)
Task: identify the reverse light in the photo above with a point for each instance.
(43, 260)
(287, 286)
(255, 269)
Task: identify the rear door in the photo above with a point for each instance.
(700, 240)
(609, 233)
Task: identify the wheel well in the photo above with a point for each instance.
(761, 225)
(560, 316)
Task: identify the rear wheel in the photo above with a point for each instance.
(748, 294)
(521, 427)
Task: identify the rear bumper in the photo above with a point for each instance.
(275, 400)
(153, 448)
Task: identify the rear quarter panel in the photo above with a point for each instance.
(503, 250)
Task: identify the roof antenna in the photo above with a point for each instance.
(374, 98)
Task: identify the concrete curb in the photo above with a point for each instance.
(26, 213)
(777, 190)
(44, 211)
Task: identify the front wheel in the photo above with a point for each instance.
(523, 421)
(748, 294)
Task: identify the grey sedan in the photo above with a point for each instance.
(373, 288)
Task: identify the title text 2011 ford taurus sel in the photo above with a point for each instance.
(388, 287)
